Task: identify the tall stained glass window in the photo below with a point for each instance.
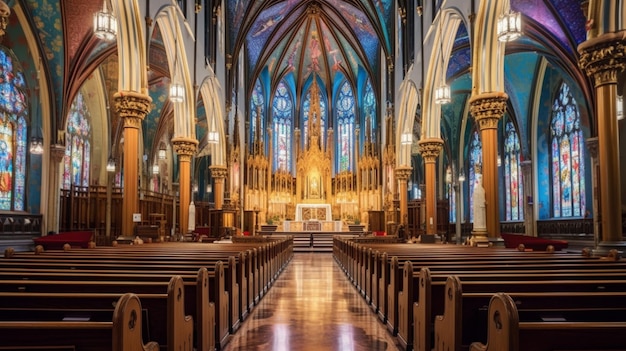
(568, 163)
(475, 159)
(282, 112)
(369, 108)
(306, 106)
(13, 133)
(345, 127)
(256, 105)
(513, 186)
(77, 161)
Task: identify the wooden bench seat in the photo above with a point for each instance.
(506, 332)
(513, 241)
(122, 333)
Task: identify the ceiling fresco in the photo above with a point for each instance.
(305, 37)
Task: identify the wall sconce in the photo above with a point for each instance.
(105, 24)
(406, 139)
(209, 188)
(195, 187)
(155, 169)
(509, 26)
(111, 165)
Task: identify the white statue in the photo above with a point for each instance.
(480, 221)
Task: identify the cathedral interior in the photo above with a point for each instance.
(238, 115)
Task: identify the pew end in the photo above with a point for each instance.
(127, 330)
(502, 326)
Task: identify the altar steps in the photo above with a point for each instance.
(315, 241)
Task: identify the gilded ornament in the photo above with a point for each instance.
(487, 109)
(603, 57)
(132, 107)
(430, 149)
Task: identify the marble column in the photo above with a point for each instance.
(219, 174)
(403, 173)
(487, 110)
(132, 108)
(57, 151)
(430, 149)
(185, 148)
(603, 58)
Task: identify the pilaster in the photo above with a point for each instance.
(219, 174)
(185, 148)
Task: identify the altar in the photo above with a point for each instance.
(308, 212)
(312, 226)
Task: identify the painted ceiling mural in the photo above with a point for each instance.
(307, 37)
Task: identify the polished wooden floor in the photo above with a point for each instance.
(312, 306)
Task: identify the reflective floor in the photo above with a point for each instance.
(312, 306)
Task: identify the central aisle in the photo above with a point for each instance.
(312, 306)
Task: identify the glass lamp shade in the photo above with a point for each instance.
(442, 94)
(105, 25)
(111, 165)
(36, 146)
(213, 137)
(162, 154)
(177, 92)
(406, 139)
(155, 169)
(509, 26)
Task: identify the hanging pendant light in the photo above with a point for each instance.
(406, 138)
(509, 26)
(177, 90)
(442, 92)
(213, 136)
(111, 165)
(105, 24)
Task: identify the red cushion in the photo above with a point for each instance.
(512, 241)
(56, 241)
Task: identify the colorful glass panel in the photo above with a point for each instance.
(13, 133)
(256, 105)
(513, 186)
(568, 163)
(282, 113)
(369, 108)
(345, 122)
(77, 159)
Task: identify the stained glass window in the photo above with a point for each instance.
(369, 108)
(76, 161)
(282, 112)
(13, 133)
(513, 186)
(568, 164)
(475, 159)
(345, 128)
(256, 105)
(306, 106)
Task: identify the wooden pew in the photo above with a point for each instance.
(122, 333)
(507, 333)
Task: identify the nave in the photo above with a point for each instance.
(312, 306)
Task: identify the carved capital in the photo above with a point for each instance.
(5, 12)
(185, 148)
(430, 149)
(132, 107)
(488, 108)
(403, 173)
(57, 151)
(603, 57)
(218, 172)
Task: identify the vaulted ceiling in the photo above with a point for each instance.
(310, 36)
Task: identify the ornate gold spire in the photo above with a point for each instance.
(314, 122)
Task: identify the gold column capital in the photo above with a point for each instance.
(218, 172)
(185, 148)
(403, 173)
(488, 108)
(132, 107)
(5, 12)
(603, 57)
(430, 149)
